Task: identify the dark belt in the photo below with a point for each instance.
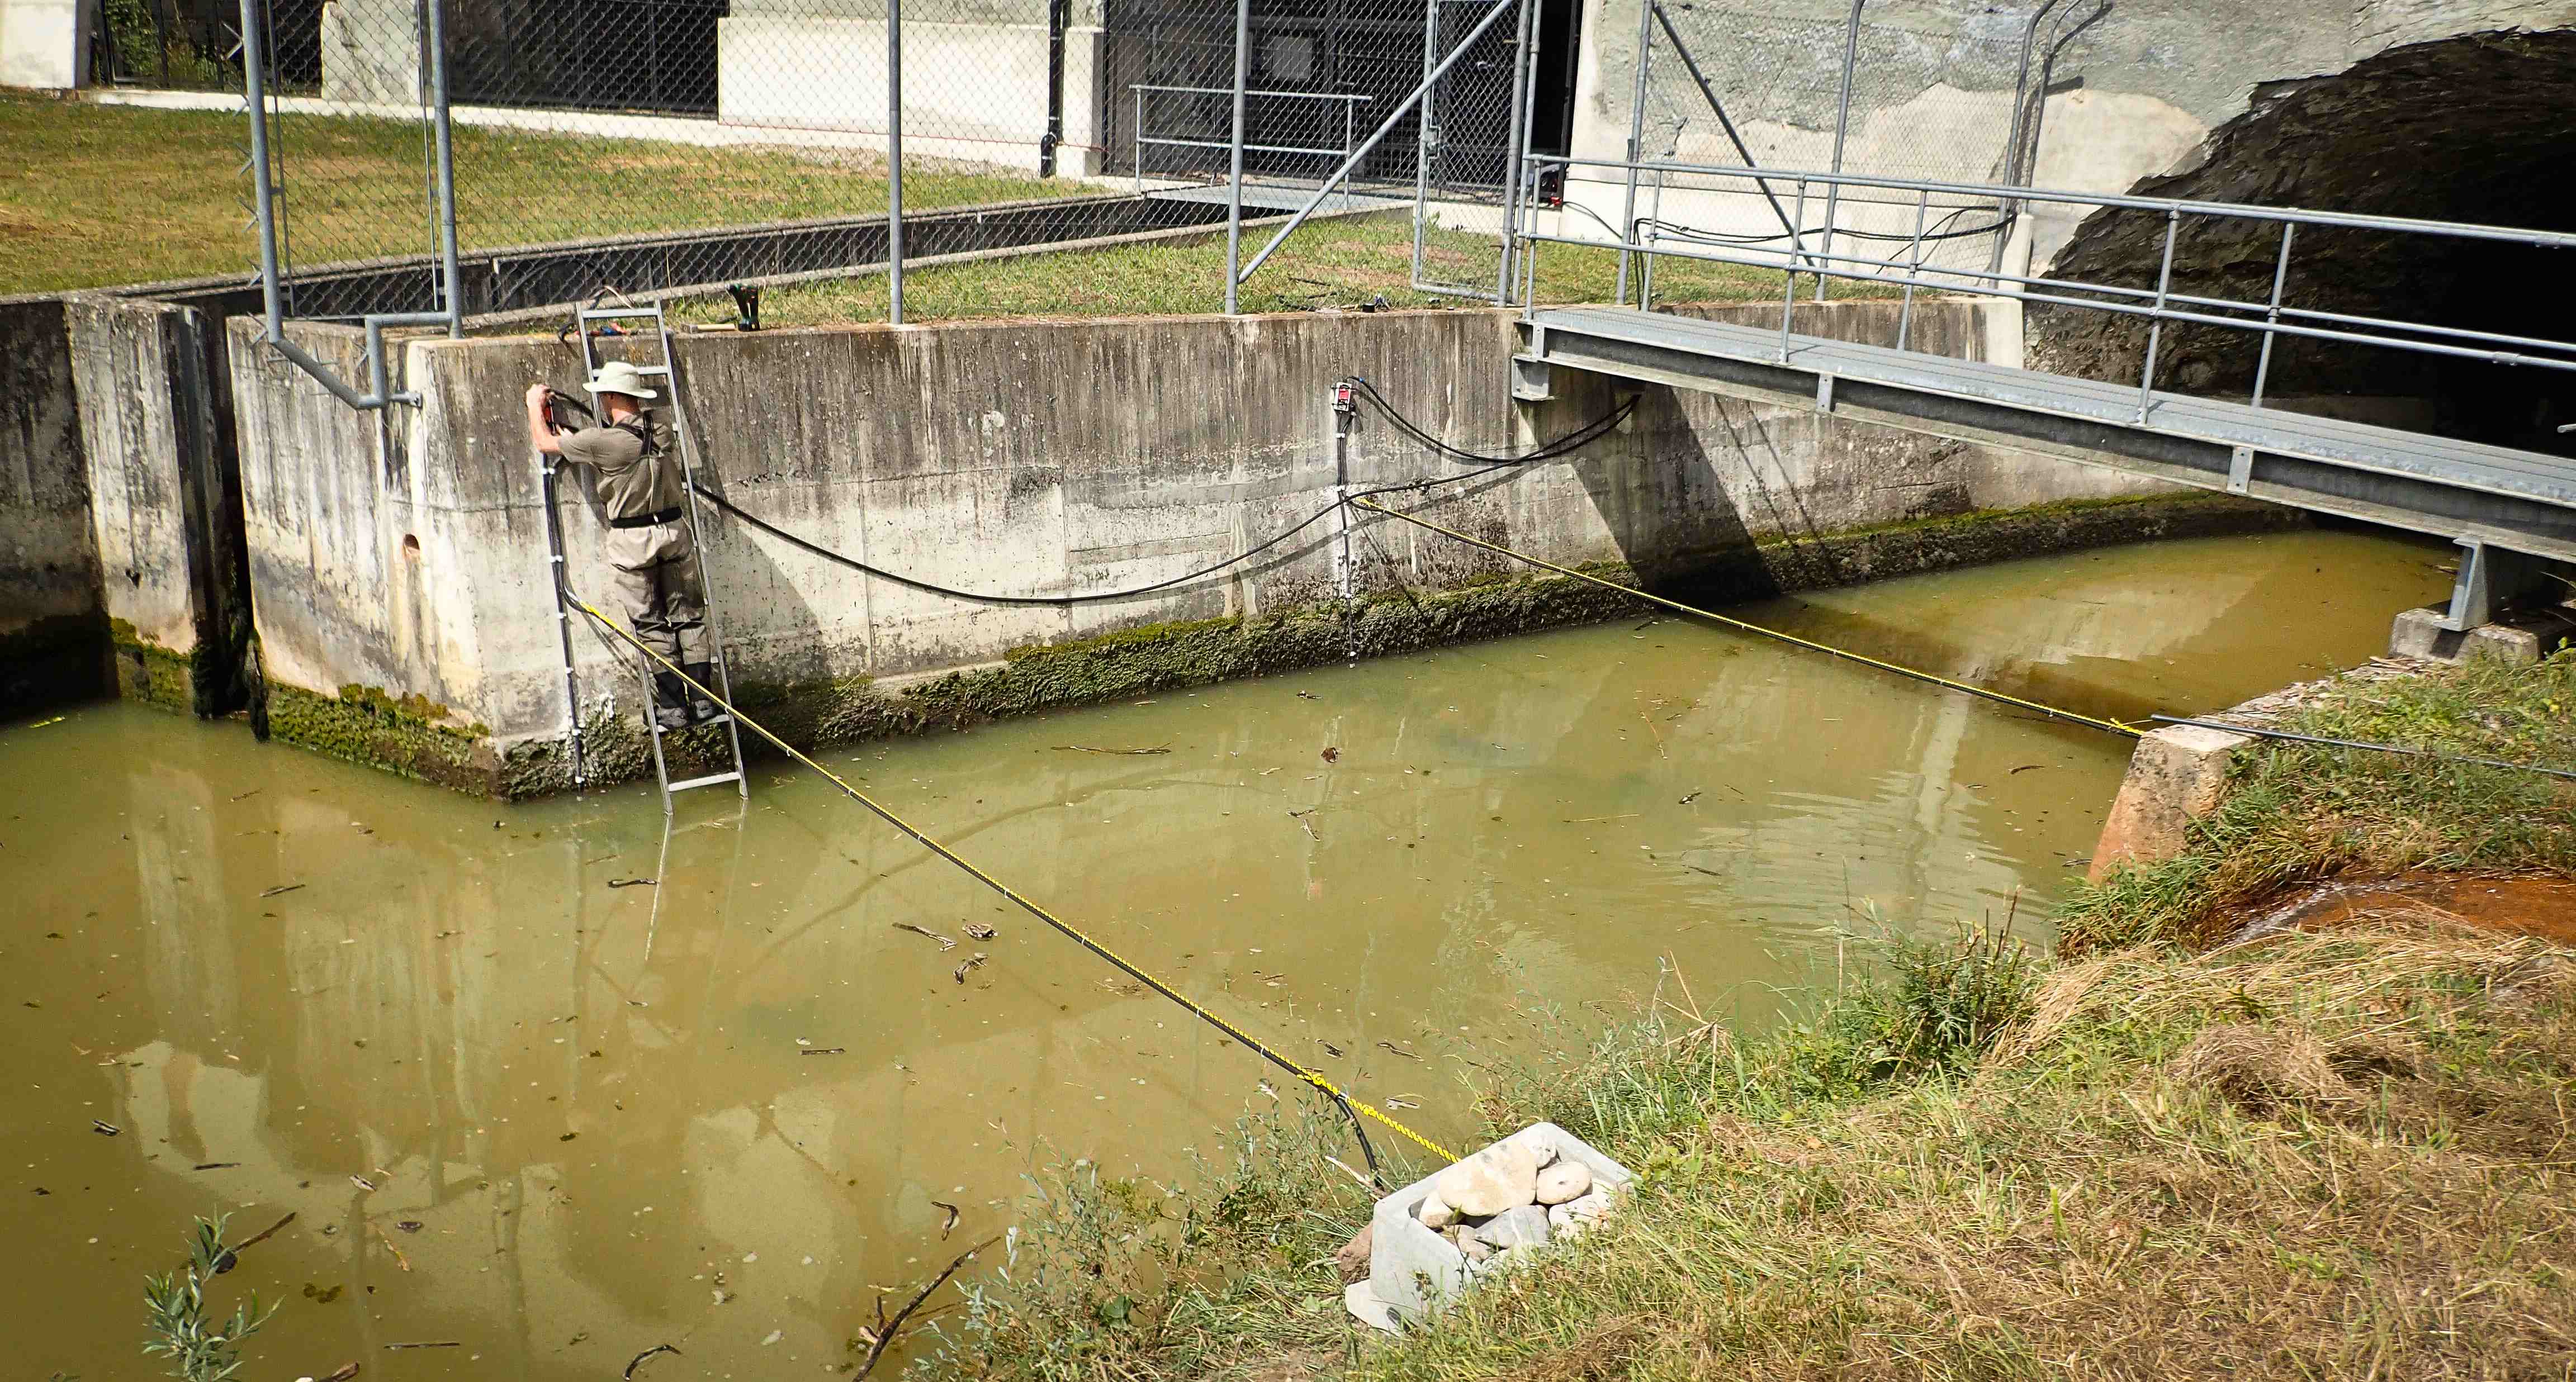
(646, 520)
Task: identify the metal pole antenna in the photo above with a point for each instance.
(1842, 134)
(1234, 177)
(894, 160)
(454, 284)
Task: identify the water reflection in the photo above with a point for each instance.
(556, 1121)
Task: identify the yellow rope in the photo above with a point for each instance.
(2110, 726)
(1306, 1073)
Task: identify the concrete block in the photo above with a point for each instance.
(2521, 638)
(1414, 1270)
(2176, 776)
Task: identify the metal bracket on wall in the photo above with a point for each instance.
(1824, 393)
(2240, 469)
(1533, 380)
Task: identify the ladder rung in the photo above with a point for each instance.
(656, 370)
(618, 313)
(709, 780)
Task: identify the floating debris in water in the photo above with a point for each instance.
(979, 959)
(944, 942)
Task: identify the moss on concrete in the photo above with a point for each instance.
(151, 673)
(406, 735)
(366, 726)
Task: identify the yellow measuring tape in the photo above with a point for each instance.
(1307, 1074)
(1969, 688)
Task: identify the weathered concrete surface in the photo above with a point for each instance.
(402, 582)
(2519, 638)
(2176, 776)
(164, 505)
(53, 624)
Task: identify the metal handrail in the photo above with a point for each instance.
(2119, 201)
(1283, 95)
(2270, 319)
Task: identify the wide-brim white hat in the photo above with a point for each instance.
(617, 376)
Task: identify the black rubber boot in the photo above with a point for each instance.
(701, 708)
(670, 701)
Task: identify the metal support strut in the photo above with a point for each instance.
(1342, 410)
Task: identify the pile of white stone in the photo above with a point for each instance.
(1430, 1239)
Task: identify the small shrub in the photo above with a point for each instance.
(200, 1347)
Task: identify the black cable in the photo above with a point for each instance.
(1547, 451)
(1572, 441)
(980, 597)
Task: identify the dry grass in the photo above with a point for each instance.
(2297, 814)
(2327, 1156)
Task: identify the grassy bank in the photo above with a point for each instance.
(1342, 262)
(2340, 1153)
(93, 195)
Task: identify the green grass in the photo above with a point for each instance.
(95, 195)
(2329, 1154)
(2295, 813)
(1339, 262)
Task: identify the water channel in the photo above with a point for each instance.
(526, 1106)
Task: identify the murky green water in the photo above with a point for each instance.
(553, 1120)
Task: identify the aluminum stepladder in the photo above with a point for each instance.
(587, 323)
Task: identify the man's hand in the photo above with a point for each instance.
(541, 423)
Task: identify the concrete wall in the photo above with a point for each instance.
(53, 625)
(402, 582)
(44, 43)
(163, 498)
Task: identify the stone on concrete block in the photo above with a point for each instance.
(1524, 1227)
(1415, 1270)
(1503, 1176)
(2176, 776)
(1566, 1181)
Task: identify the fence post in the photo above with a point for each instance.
(1234, 178)
(1842, 132)
(1636, 140)
(1523, 71)
(894, 161)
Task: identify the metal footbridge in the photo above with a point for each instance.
(2509, 509)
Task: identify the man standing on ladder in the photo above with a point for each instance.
(641, 491)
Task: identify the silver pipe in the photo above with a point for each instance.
(1234, 178)
(446, 140)
(1636, 137)
(2156, 322)
(1139, 164)
(1307, 211)
(1842, 129)
(263, 190)
(1516, 145)
(1646, 277)
(2280, 277)
(894, 161)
